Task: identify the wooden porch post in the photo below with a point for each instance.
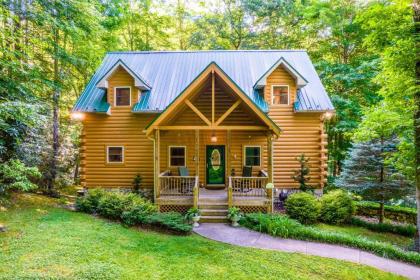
(157, 162)
(197, 152)
(270, 157)
(270, 168)
(228, 167)
(228, 159)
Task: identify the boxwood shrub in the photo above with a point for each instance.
(283, 226)
(303, 207)
(89, 203)
(337, 207)
(131, 209)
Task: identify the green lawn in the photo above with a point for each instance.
(46, 242)
(395, 239)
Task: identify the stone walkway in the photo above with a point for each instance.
(248, 238)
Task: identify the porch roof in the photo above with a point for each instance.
(214, 68)
(167, 74)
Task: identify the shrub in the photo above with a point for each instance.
(15, 175)
(137, 183)
(113, 204)
(303, 207)
(131, 209)
(404, 230)
(337, 207)
(138, 212)
(280, 225)
(89, 203)
(171, 221)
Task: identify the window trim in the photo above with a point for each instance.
(122, 155)
(272, 96)
(169, 155)
(115, 96)
(244, 154)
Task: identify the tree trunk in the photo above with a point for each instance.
(416, 9)
(56, 111)
(381, 214)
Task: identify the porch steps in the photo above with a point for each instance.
(213, 212)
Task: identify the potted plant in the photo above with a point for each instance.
(234, 215)
(193, 215)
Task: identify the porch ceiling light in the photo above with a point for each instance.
(213, 138)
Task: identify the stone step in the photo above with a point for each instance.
(214, 212)
(213, 219)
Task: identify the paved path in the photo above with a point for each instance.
(248, 238)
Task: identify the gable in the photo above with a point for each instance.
(224, 100)
(298, 77)
(139, 82)
(200, 83)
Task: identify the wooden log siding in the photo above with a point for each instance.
(121, 128)
(301, 133)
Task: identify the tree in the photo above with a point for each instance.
(367, 173)
(14, 175)
(416, 15)
(302, 174)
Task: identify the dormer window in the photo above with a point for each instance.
(122, 96)
(280, 95)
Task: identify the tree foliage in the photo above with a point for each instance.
(363, 52)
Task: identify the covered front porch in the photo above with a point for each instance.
(213, 149)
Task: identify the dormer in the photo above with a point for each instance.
(300, 80)
(139, 82)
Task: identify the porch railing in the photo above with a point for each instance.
(247, 187)
(177, 185)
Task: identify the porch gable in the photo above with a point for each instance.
(213, 118)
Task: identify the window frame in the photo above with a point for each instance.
(272, 94)
(244, 154)
(122, 155)
(169, 155)
(115, 96)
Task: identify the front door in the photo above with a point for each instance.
(215, 163)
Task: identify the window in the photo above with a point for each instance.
(115, 154)
(122, 96)
(176, 156)
(280, 95)
(252, 156)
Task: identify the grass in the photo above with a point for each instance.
(46, 242)
(395, 239)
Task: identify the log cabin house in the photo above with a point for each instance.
(211, 129)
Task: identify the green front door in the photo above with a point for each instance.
(215, 162)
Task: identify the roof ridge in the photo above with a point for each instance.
(201, 51)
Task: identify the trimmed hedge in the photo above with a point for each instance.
(337, 207)
(303, 207)
(281, 225)
(404, 230)
(132, 210)
(395, 213)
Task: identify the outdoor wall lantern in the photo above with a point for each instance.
(77, 116)
(213, 138)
